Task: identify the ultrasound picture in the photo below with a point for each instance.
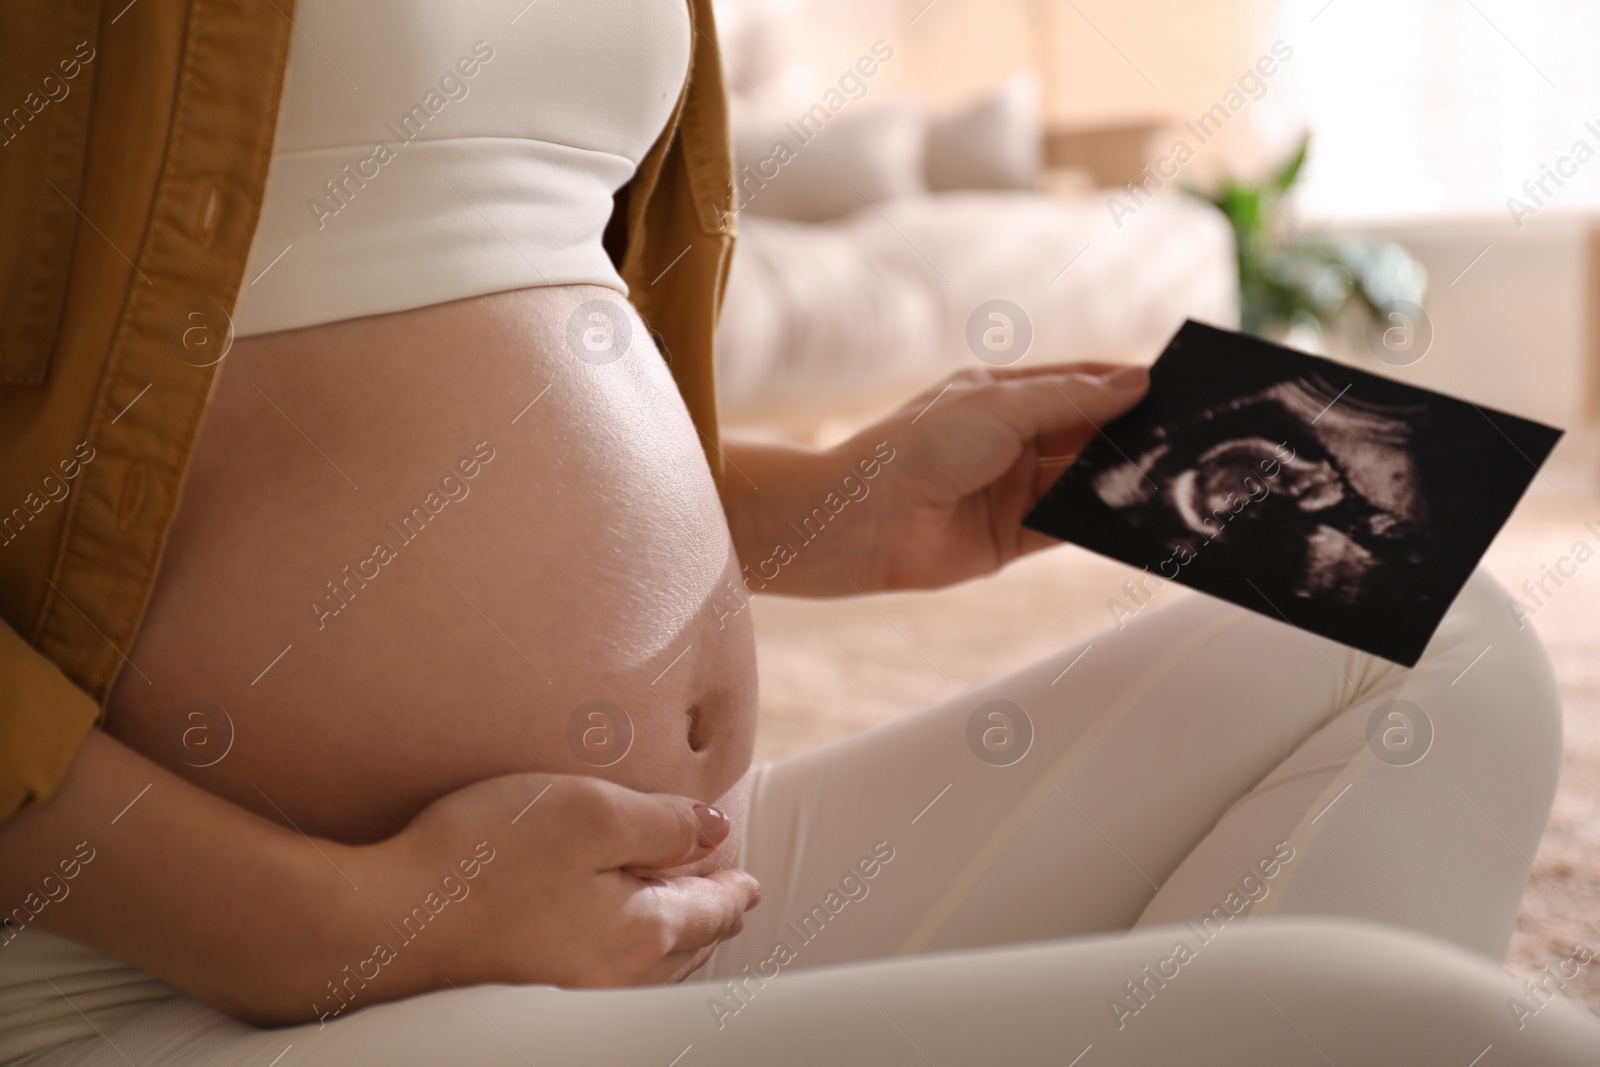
(1339, 501)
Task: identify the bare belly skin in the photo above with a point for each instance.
(390, 577)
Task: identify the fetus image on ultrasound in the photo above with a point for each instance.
(1308, 493)
(1315, 493)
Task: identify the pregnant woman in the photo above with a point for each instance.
(380, 684)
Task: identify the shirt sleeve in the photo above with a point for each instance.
(43, 720)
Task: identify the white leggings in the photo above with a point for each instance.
(1207, 852)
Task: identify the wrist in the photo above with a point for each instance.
(763, 483)
(805, 520)
(371, 947)
(420, 920)
(765, 491)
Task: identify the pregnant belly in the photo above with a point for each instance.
(422, 549)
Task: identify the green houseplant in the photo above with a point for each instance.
(1294, 283)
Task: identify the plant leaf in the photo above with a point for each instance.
(1289, 173)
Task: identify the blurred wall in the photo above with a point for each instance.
(1512, 329)
(945, 53)
(1119, 60)
(1098, 62)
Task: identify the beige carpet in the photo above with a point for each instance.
(830, 668)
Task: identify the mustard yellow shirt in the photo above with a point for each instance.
(134, 145)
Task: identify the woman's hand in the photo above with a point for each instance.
(274, 927)
(572, 889)
(967, 460)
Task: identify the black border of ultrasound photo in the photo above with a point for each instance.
(1363, 503)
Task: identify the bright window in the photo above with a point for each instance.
(1424, 107)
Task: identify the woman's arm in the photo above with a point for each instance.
(208, 896)
(275, 927)
(933, 493)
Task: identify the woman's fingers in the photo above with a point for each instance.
(649, 830)
(687, 917)
(1070, 405)
(974, 439)
(977, 377)
(1087, 367)
(738, 881)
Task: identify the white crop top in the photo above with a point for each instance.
(432, 150)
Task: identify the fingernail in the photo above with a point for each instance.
(1127, 378)
(713, 824)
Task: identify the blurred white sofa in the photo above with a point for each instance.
(845, 313)
(871, 233)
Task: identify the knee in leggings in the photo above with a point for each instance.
(1486, 621)
(1394, 977)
